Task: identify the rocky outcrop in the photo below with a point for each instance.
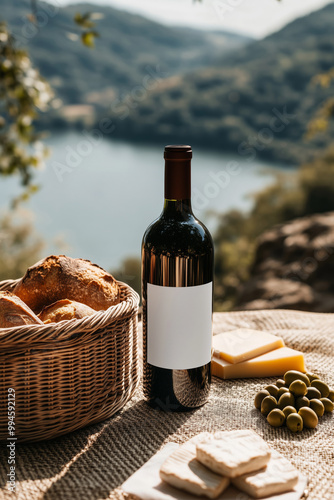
(293, 267)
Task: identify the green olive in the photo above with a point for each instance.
(317, 406)
(328, 404)
(280, 383)
(272, 389)
(310, 419)
(331, 395)
(294, 422)
(313, 393)
(276, 418)
(322, 387)
(301, 402)
(260, 397)
(288, 410)
(268, 404)
(298, 388)
(281, 391)
(311, 376)
(287, 399)
(293, 375)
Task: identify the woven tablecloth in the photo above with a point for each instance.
(91, 464)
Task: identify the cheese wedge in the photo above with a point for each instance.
(271, 364)
(233, 453)
(183, 471)
(242, 344)
(279, 476)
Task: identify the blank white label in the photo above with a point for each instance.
(179, 326)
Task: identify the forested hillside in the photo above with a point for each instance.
(129, 46)
(257, 101)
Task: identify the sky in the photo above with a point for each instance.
(256, 18)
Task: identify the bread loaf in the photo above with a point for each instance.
(59, 277)
(14, 312)
(64, 309)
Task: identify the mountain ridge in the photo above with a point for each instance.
(231, 105)
(223, 101)
(126, 45)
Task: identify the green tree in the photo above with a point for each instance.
(130, 273)
(23, 94)
(20, 246)
(310, 190)
(320, 121)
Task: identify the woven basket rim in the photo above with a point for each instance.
(28, 335)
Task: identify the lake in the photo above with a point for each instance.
(100, 195)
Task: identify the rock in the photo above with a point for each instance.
(293, 267)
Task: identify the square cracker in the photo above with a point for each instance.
(279, 476)
(233, 453)
(183, 471)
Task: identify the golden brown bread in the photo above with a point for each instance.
(64, 309)
(59, 277)
(14, 312)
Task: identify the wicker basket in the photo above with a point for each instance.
(70, 374)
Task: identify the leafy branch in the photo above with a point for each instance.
(87, 24)
(23, 95)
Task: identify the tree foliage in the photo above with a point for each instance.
(320, 121)
(255, 102)
(87, 25)
(20, 246)
(310, 190)
(130, 272)
(23, 94)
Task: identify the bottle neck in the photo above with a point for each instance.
(178, 186)
(177, 179)
(175, 207)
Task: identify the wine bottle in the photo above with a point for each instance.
(177, 288)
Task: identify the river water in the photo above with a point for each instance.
(99, 195)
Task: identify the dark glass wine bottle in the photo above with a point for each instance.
(177, 282)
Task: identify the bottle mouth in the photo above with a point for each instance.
(177, 152)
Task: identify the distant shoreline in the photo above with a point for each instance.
(274, 156)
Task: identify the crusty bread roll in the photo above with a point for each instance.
(64, 309)
(14, 312)
(59, 277)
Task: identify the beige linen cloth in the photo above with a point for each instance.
(92, 463)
